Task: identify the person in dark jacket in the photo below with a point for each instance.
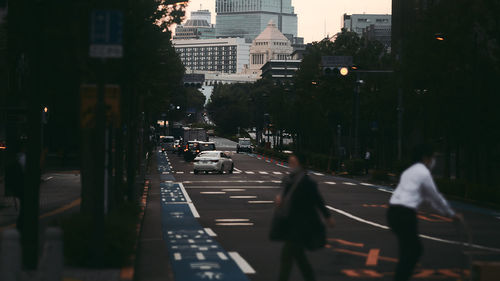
(305, 203)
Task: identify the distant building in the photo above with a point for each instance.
(280, 70)
(248, 18)
(381, 33)
(359, 22)
(271, 44)
(197, 27)
(371, 26)
(222, 55)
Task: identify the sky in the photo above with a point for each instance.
(312, 18)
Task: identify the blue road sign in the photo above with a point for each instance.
(106, 34)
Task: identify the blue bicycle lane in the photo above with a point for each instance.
(194, 254)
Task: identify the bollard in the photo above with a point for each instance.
(51, 265)
(11, 257)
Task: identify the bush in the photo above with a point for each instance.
(118, 239)
(380, 175)
(470, 191)
(355, 166)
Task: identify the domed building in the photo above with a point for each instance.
(271, 44)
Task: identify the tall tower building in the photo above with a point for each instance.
(248, 18)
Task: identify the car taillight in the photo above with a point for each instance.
(197, 151)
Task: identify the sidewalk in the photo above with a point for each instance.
(153, 262)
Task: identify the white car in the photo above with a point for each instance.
(213, 161)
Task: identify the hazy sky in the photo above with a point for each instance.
(312, 17)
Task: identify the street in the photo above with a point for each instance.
(237, 209)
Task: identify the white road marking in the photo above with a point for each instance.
(230, 220)
(177, 256)
(210, 232)
(193, 210)
(243, 197)
(421, 235)
(367, 184)
(200, 256)
(191, 172)
(348, 183)
(166, 173)
(249, 172)
(217, 187)
(233, 189)
(222, 256)
(234, 224)
(180, 172)
(237, 170)
(283, 166)
(330, 182)
(384, 190)
(242, 263)
(277, 173)
(318, 174)
(212, 192)
(276, 181)
(260, 202)
(263, 173)
(184, 192)
(227, 181)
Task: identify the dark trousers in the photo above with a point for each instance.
(403, 222)
(293, 251)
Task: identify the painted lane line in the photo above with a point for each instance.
(234, 224)
(372, 258)
(212, 192)
(184, 192)
(385, 190)
(347, 243)
(243, 197)
(237, 170)
(231, 220)
(193, 210)
(233, 189)
(367, 184)
(263, 173)
(277, 173)
(261, 202)
(348, 183)
(177, 256)
(249, 172)
(200, 256)
(318, 174)
(222, 256)
(217, 187)
(330, 182)
(242, 263)
(210, 232)
(180, 172)
(276, 181)
(436, 239)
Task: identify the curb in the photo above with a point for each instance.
(127, 273)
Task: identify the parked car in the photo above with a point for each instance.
(213, 161)
(244, 145)
(167, 143)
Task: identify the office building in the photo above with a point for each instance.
(223, 55)
(197, 27)
(381, 33)
(248, 18)
(359, 22)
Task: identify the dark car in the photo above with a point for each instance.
(191, 149)
(244, 145)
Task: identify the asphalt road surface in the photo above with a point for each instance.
(237, 209)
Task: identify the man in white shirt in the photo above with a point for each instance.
(415, 187)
